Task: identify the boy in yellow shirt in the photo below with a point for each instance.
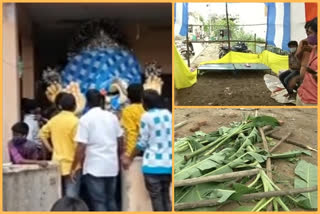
(130, 120)
(61, 129)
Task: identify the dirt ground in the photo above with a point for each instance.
(246, 88)
(302, 123)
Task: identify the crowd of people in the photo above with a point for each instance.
(303, 66)
(90, 150)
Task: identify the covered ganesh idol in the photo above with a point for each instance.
(99, 58)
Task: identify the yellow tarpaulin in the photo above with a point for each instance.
(183, 77)
(274, 61)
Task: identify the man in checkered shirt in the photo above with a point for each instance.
(156, 142)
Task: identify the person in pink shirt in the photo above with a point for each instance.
(22, 150)
(308, 91)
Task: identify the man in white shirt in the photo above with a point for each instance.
(31, 111)
(98, 135)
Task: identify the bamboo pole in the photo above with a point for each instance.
(228, 26)
(267, 133)
(179, 125)
(281, 141)
(222, 177)
(188, 55)
(268, 163)
(246, 197)
(267, 128)
(293, 142)
(255, 43)
(265, 145)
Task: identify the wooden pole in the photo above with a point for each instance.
(281, 141)
(228, 27)
(247, 197)
(231, 40)
(266, 46)
(293, 142)
(267, 133)
(222, 177)
(265, 146)
(179, 125)
(188, 55)
(270, 132)
(255, 43)
(268, 164)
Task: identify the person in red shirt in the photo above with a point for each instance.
(308, 91)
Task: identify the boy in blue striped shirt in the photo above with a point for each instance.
(156, 142)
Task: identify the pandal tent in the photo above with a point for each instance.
(281, 16)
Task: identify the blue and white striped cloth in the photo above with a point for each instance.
(278, 25)
(156, 141)
(285, 22)
(181, 19)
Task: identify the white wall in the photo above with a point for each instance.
(11, 104)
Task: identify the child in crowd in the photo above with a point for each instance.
(61, 130)
(69, 204)
(294, 69)
(98, 137)
(22, 150)
(130, 120)
(156, 143)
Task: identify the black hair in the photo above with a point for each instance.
(135, 93)
(151, 99)
(94, 98)
(293, 43)
(50, 112)
(29, 105)
(314, 25)
(306, 26)
(67, 102)
(58, 98)
(20, 128)
(69, 204)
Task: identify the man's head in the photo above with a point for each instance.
(20, 129)
(30, 106)
(313, 32)
(58, 98)
(134, 93)
(69, 204)
(151, 99)
(94, 98)
(306, 27)
(67, 102)
(293, 45)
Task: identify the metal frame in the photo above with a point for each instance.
(220, 41)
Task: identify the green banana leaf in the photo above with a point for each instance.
(243, 209)
(290, 154)
(258, 157)
(195, 170)
(261, 121)
(307, 177)
(221, 194)
(247, 141)
(197, 192)
(212, 162)
(241, 190)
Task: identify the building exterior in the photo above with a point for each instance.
(195, 25)
(35, 37)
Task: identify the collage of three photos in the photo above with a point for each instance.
(173, 107)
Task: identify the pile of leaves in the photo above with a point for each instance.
(236, 148)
